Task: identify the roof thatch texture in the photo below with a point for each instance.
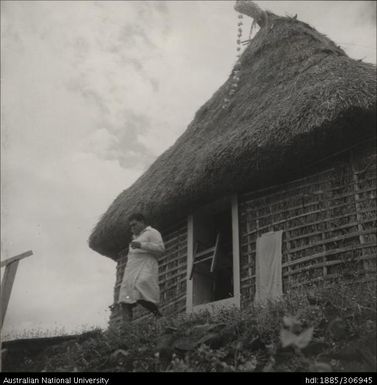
(300, 98)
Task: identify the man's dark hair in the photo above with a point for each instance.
(137, 217)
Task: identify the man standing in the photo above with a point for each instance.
(140, 280)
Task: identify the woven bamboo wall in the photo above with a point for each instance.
(329, 221)
(172, 274)
(173, 270)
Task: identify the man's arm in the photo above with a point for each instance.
(154, 243)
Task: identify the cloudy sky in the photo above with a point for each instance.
(92, 93)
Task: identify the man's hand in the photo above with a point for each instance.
(135, 245)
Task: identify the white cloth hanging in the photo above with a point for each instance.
(269, 284)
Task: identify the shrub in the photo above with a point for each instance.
(330, 327)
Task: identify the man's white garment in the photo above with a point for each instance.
(140, 280)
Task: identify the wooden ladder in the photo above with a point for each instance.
(205, 255)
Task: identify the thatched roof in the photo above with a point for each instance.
(300, 99)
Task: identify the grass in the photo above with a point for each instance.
(328, 328)
(34, 333)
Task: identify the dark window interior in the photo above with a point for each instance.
(215, 285)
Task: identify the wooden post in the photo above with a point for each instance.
(357, 209)
(190, 259)
(236, 252)
(6, 287)
(324, 206)
(11, 266)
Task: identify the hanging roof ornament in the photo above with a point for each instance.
(248, 8)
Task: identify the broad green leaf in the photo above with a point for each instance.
(304, 338)
(248, 366)
(320, 367)
(290, 322)
(338, 328)
(287, 338)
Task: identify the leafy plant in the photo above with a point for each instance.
(327, 328)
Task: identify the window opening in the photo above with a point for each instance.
(212, 266)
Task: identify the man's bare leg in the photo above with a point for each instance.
(151, 307)
(127, 313)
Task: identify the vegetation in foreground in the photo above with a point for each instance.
(331, 328)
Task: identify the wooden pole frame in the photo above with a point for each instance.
(11, 266)
(190, 259)
(236, 299)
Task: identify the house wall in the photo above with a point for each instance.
(172, 274)
(329, 223)
(173, 269)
